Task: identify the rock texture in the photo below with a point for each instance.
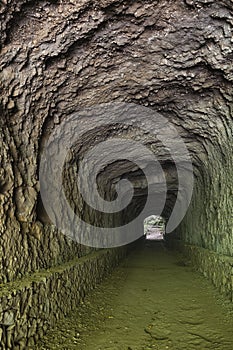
(216, 267)
(32, 305)
(56, 57)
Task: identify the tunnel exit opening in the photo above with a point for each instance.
(154, 228)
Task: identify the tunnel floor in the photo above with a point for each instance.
(153, 300)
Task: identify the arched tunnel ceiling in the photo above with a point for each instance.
(168, 55)
(115, 170)
(57, 57)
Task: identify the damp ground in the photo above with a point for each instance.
(153, 300)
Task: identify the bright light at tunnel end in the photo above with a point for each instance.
(71, 130)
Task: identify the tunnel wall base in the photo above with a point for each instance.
(216, 267)
(31, 305)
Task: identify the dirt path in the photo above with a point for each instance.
(152, 301)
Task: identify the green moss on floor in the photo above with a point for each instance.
(154, 300)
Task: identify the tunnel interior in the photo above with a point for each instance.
(134, 53)
(139, 95)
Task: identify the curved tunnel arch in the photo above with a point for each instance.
(58, 58)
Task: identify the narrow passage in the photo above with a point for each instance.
(153, 300)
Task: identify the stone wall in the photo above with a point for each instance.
(28, 307)
(209, 221)
(206, 233)
(56, 57)
(216, 267)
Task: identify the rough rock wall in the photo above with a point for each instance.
(216, 267)
(57, 56)
(29, 307)
(208, 222)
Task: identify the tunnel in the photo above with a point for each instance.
(113, 111)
